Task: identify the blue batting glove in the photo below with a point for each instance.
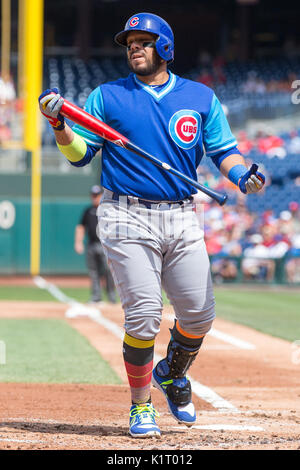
(252, 181)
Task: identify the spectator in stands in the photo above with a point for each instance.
(227, 268)
(95, 258)
(277, 246)
(214, 237)
(267, 142)
(256, 264)
(292, 267)
(244, 216)
(7, 99)
(7, 90)
(267, 217)
(285, 226)
(253, 84)
(294, 208)
(293, 146)
(206, 77)
(218, 70)
(245, 145)
(5, 132)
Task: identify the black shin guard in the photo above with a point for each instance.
(182, 352)
(180, 358)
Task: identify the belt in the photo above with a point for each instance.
(156, 205)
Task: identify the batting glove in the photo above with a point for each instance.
(252, 181)
(50, 103)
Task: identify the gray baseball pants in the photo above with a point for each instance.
(151, 249)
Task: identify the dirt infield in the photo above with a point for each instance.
(261, 384)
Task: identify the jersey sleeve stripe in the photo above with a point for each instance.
(87, 136)
(220, 149)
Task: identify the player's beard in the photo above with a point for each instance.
(149, 68)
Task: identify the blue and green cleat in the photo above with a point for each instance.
(177, 392)
(142, 421)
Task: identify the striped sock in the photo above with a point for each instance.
(138, 359)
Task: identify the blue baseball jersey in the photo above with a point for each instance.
(176, 122)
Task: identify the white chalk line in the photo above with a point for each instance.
(241, 344)
(21, 441)
(202, 391)
(232, 340)
(224, 427)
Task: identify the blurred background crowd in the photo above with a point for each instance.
(247, 246)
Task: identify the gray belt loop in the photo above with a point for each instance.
(133, 199)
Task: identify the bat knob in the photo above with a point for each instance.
(253, 169)
(223, 199)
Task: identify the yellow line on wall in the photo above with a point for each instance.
(33, 68)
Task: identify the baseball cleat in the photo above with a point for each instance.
(142, 421)
(177, 392)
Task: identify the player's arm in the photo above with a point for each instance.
(80, 230)
(79, 237)
(73, 146)
(221, 147)
(234, 168)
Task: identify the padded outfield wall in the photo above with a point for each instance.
(64, 199)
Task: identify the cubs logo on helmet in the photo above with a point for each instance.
(134, 21)
(185, 127)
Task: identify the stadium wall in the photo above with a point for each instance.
(64, 199)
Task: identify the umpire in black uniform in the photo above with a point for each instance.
(95, 258)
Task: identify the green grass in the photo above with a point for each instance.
(50, 351)
(24, 293)
(274, 313)
(81, 294)
(33, 293)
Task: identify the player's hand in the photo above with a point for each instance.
(79, 248)
(252, 181)
(51, 103)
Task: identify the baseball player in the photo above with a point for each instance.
(148, 226)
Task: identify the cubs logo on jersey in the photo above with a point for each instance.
(185, 127)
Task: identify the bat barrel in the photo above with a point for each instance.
(86, 120)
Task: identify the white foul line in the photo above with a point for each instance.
(231, 339)
(26, 441)
(239, 343)
(77, 308)
(224, 427)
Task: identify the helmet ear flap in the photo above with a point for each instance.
(164, 48)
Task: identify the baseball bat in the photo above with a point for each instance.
(86, 120)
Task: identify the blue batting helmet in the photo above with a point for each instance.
(154, 24)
